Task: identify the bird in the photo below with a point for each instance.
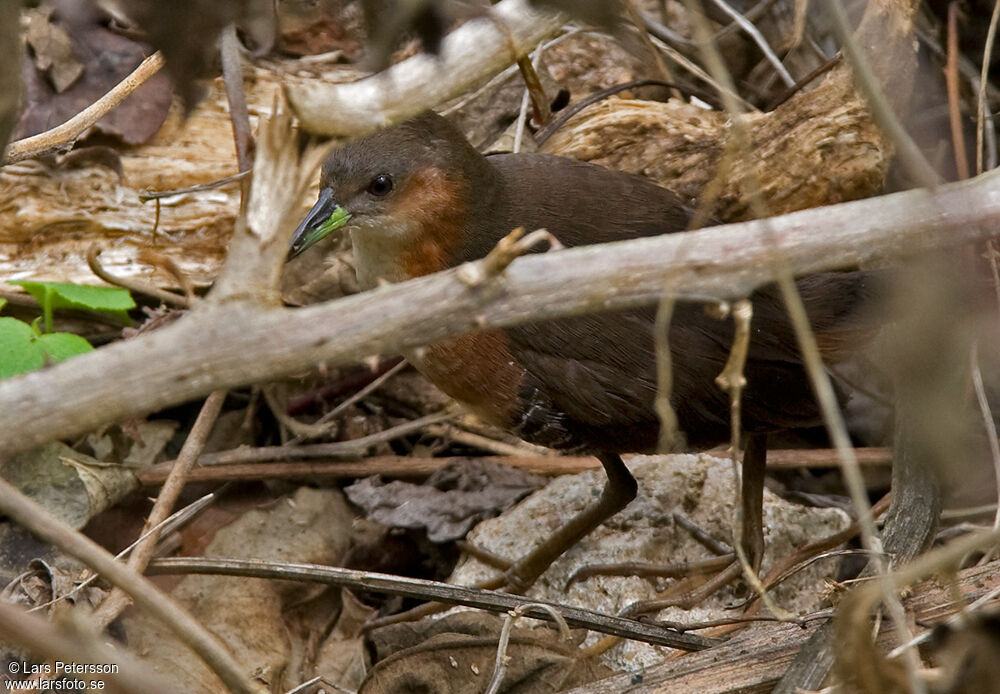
(416, 198)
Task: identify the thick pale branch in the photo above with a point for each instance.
(475, 51)
(236, 343)
(260, 241)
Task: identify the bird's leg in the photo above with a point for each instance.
(752, 499)
(751, 537)
(618, 492)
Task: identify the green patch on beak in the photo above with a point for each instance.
(323, 219)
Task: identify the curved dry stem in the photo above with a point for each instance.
(474, 51)
(64, 135)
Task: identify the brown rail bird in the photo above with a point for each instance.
(417, 198)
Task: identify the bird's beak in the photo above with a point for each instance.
(324, 218)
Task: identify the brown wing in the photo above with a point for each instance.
(595, 375)
(593, 378)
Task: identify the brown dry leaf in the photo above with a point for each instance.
(57, 92)
(450, 502)
(52, 48)
(343, 658)
(69, 484)
(308, 27)
(251, 616)
(456, 654)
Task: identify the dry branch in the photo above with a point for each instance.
(819, 147)
(755, 660)
(409, 466)
(432, 590)
(246, 341)
(470, 54)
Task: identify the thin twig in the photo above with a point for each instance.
(170, 266)
(701, 536)
(63, 136)
(27, 513)
(758, 38)
(644, 570)
(991, 429)
(705, 77)
(982, 112)
(93, 261)
(118, 600)
(491, 600)
(670, 434)
(239, 116)
(954, 100)
(801, 620)
(509, 248)
(352, 448)
(647, 40)
(502, 659)
(452, 432)
(798, 86)
(567, 113)
(533, 85)
(270, 462)
(148, 195)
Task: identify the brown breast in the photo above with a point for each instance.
(479, 371)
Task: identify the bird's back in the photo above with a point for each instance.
(580, 203)
(591, 380)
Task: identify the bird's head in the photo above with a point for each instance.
(404, 194)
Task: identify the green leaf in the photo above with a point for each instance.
(19, 352)
(62, 346)
(3, 302)
(53, 295)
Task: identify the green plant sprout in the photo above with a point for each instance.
(24, 347)
(53, 295)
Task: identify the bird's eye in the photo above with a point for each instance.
(380, 185)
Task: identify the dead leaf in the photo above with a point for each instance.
(343, 657)
(52, 49)
(456, 654)
(252, 616)
(450, 502)
(57, 92)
